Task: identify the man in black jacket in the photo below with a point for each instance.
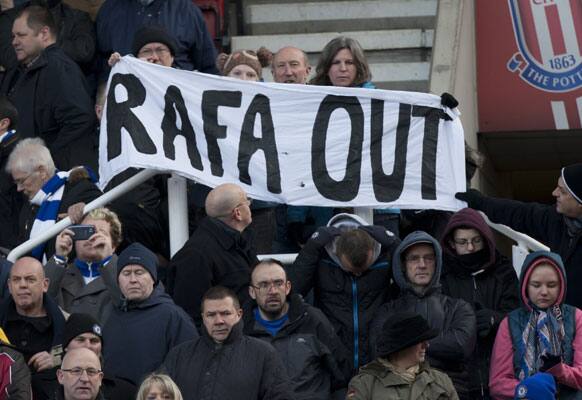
(219, 252)
(347, 265)
(80, 376)
(223, 363)
(559, 226)
(50, 91)
(416, 267)
(317, 366)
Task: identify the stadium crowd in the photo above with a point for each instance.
(416, 305)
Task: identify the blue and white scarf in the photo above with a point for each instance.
(7, 136)
(91, 270)
(49, 199)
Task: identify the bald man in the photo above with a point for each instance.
(80, 376)
(33, 323)
(290, 65)
(219, 252)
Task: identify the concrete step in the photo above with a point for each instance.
(325, 16)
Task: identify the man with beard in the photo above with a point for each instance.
(318, 366)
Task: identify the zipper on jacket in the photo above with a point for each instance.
(356, 324)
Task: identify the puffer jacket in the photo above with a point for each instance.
(454, 318)
(486, 280)
(568, 375)
(377, 381)
(309, 348)
(348, 301)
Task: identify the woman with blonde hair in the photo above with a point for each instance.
(158, 387)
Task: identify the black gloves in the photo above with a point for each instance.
(549, 361)
(485, 320)
(448, 100)
(324, 235)
(472, 197)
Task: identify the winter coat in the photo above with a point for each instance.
(484, 279)
(348, 301)
(53, 103)
(10, 199)
(77, 189)
(139, 335)
(377, 381)
(76, 33)
(454, 318)
(214, 255)
(309, 348)
(241, 368)
(15, 375)
(543, 223)
(503, 379)
(118, 20)
(67, 286)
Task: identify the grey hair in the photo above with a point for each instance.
(30, 154)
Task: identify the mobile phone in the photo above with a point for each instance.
(82, 232)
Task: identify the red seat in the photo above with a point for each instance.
(214, 15)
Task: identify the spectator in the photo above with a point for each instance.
(14, 375)
(560, 228)
(220, 252)
(223, 363)
(87, 284)
(80, 376)
(400, 370)
(147, 324)
(75, 33)
(540, 336)
(51, 194)
(473, 270)
(290, 65)
(119, 20)
(319, 365)
(152, 44)
(34, 324)
(345, 263)
(62, 111)
(83, 331)
(416, 267)
(10, 199)
(158, 387)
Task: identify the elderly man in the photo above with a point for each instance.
(416, 267)
(80, 376)
(147, 324)
(87, 283)
(50, 91)
(223, 363)
(559, 226)
(218, 253)
(33, 323)
(320, 365)
(151, 44)
(51, 194)
(401, 371)
(290, 65)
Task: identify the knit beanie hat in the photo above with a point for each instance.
(151, 34)
(262, 58)
(137, 253)
(540, 386)
(77, 324)
(572, 177)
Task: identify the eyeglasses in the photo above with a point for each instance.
(159, 51)
(22, 181)
(265, 286)
(477, 240)
(428, 258)
(78, 371)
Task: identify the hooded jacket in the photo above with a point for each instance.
(348, 301)
(139, 335)
(503, 380)
(242, 368)
(484, 279)
(454, 318)
(308, 346)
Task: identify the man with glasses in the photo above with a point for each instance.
(151, 44)
(317, 367)
(473, 270)
(219, 252)
(416, 268)
(80, 376)
(223, 363)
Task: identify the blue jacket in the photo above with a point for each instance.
(118, 20)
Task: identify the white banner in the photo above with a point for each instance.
(294, 144)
